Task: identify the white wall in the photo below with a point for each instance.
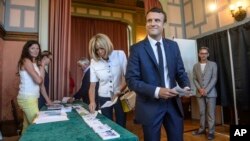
(188, 49)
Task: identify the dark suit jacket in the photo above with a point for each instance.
(41, 99)
(143, 77)
(84, 90)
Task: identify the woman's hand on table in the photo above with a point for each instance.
(49, 102)
(92, 107)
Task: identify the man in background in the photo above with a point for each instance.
(82, 93)
(205, 78)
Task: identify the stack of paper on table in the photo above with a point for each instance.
(55, 107)
(80, 110)
(67, 108)
(50, 116)
(103, 130)
(59, 107)
(109, 134)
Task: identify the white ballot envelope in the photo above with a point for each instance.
(182, 92)
(109, 103)
(65, 99)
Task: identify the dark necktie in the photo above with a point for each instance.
(160, 64)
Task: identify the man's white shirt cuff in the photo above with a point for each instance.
(157, 90)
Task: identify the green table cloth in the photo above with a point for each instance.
(74, 129)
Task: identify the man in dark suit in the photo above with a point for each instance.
(82, 93)
(154, 67)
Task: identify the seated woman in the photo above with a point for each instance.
(31, 82)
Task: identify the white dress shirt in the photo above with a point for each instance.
(109, 73)
(166, 78)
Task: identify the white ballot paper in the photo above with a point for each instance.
(55, 107)
(90, 116)
(109, 134)
(109, 103)
(50, 116)
(182, 92)
(65, 99)
(101, 128)
(81, 111)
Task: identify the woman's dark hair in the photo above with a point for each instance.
(45, 53)
(26, 54)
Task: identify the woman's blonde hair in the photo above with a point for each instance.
(100, 40)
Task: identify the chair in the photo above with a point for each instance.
(18, 116)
